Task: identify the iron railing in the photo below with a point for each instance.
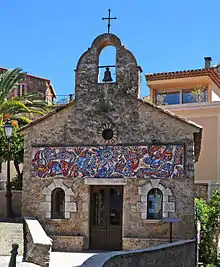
(63, 99)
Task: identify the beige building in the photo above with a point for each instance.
(194, 94)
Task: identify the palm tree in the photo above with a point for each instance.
(36, 105)
(9, 80)
(19, 108)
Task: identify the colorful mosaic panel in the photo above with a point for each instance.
(162, 161)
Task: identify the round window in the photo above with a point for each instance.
(107, 134)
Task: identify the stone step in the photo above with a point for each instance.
(11, 233)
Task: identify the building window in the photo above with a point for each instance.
(168, 98)
(21, 90)
(58, 204)
(154, 204)
(182, 96)
(194, 96)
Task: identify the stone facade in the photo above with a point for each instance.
(114, 106)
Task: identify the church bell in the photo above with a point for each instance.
(107, 76)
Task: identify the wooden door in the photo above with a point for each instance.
(106, 204)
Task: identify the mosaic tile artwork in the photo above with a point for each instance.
(162, 161)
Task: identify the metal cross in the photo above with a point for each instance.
(109, 19)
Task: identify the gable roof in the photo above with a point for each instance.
(171, 114)
(140, 100)
(197, 134)
(184, 74)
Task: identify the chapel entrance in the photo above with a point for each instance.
(106, 204)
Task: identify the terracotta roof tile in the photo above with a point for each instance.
(185, 73)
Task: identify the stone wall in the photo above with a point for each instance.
(16, 203)
(181, 253)
(68, 243)
(37, 245)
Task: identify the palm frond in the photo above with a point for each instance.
(21, 118)
(13, 106)
(32, 96)
(9, 79)
(34, 100)
(36, 111)
(22, 108)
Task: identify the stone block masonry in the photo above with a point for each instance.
(68, 243)
(37, 244)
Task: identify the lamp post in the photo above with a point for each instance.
(8, 132)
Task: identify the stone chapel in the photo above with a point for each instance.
(105, 170)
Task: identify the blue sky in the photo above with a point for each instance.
(46, 38)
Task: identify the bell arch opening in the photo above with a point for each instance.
(107, 65)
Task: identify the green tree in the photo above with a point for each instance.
(16, 154)
(209, 216)
(198, 94)
(214, 219)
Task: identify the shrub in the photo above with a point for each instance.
(209, 216)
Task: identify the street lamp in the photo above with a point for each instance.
(8, 132)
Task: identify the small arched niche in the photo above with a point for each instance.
(58, 204)
(107, 57)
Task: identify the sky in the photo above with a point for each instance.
(47, 37)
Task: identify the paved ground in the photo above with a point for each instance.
(68, 259)
(13, 233)
(58, 259)
(5, 259)
(10, 233)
